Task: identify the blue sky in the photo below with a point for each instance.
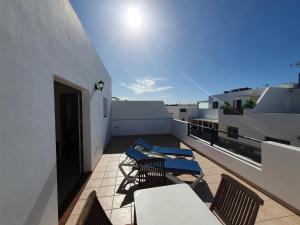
(186, 50)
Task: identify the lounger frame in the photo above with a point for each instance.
(133, 165)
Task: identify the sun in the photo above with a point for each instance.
(134, 18)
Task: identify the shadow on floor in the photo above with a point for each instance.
(119, 144)
(204, 192)
(128, 190)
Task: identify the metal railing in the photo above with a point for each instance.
(231, 143)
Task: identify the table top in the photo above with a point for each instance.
(174, 204)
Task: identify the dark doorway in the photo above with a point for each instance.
(239, 105)
(68, 124)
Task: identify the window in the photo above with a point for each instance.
(182, 110)
(105, 108)
(277, 140)
(215, 105)
(233, 132)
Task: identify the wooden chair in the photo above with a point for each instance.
(92, 212)
(151, 172)
(235, 204)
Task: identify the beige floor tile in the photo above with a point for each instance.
(78, 207)
(106, 191)
(86, 192)
(108, 181)
(96, 183)
(72, 219)
(103, 163)
(109, 174)
(100, 169)
(119, 180)
(106, 202)
(108, 213)
(121, 216)
(98, 175)
(272, 210)
(112, 168)
(212, 179)
(114, 163)
(120, 203)
(290, 220)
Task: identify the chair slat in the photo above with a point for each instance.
(152, 172)
(92, 212)
(234, 203)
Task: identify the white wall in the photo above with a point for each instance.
(191, 111)
(209, 113)
(40, 39)
(295, 101)
(259, 125)
(140, 117)
(279, 170)
(279, 100)
(274, 99)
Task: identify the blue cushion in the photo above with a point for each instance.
(164, 150)
(144, 144)
(173, 151)
(182, 165)
(135, 154)
(171, 165)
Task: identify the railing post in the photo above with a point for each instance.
(211, 137)
(189, 129)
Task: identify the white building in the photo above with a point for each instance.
(276, 115)
(183, 112)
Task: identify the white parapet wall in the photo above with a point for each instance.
(209, 113)
(42, 42)
(278, 173)
(285, 126)
(140, 117)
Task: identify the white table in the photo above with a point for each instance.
(175, 204)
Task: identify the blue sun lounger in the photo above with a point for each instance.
(178, 152)
(172, 166)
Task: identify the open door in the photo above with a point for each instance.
(68, 121)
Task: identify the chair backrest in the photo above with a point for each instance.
(151, 172)
(92, 212)
(135, 154)
(234, 203)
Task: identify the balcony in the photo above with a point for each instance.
(117, 199)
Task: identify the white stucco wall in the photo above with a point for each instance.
(277, 175)
(191, 111)
(279, 100)
(140, 117)
(284, 126)
(209, 113)
(41, 41)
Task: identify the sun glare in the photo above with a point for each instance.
(134, 18)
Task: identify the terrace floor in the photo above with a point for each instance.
(117, 200)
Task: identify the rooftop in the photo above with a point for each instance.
(117, 199)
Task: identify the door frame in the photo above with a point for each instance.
(86, 120)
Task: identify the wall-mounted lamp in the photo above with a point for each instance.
(99, 85)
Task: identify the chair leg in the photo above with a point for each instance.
(196, 182)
